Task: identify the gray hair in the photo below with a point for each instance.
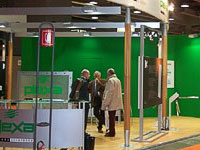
(97, 72)
(84, 71)
(111, 71)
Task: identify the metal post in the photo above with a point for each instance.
(51, 96)
(170, 114)
(37, 86)
(159, 117)
(141, 80)
(3, 58)
(160, 105)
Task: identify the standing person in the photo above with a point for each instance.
(96, 88)
(112, 99)
(80, 91)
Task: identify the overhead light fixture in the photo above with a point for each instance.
(193, 35)
(89, 9)
(150, 34)
(86, 34)
(35, 34)
(66, 23)
(93, 28)
(137, 12)
(95, 17)
(171, 7)
(72, 27)
(185, 6)
(123, 29)
(93, 3)
(2, 26)
(171, 19)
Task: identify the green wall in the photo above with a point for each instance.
(75, 54)
(187, 56)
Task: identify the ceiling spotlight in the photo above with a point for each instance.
(93, 3)
(95, 18)
(171, 7)
(72, 27)
(185, 6)
(193, 35)
(171, 19)
(150, 36)
(2, 26)
(89, 9)
(93, 28)
(137, 12)
(86, 34)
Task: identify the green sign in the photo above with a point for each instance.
(42, 90)
(12, 127)
(11, 113)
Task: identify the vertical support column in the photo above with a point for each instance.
(160, 105)
(3, 58)
(164, 85)
(141, 81)
(9, 73)
(127, 77)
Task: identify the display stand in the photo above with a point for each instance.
(70, 133)
(151, 135)
(176, 97)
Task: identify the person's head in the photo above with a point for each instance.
(85, 73)
(97, 74)
(110, 72)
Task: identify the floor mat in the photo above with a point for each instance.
(186, 143)
(194, 147)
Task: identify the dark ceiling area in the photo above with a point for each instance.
(182, 20)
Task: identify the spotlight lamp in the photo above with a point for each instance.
(171, 7)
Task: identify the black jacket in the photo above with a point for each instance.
(83, 92)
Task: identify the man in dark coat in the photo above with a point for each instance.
(80, 91)
(96, 88)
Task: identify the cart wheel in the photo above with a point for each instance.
(40, 145)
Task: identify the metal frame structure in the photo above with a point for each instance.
(176, 97)
(87, 10)
(37, 86)
(150, 134)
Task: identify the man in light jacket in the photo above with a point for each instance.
(112, 99)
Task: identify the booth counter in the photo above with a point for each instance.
(17, 126)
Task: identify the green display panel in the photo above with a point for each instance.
(61, 85)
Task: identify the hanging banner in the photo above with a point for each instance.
(156, 8)
(46, 37)
(170, 74)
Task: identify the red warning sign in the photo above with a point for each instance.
(46, 37)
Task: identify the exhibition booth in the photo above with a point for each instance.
(148, 60)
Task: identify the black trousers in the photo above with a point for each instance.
(112, 122)
(86, 114)
(99, 114)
